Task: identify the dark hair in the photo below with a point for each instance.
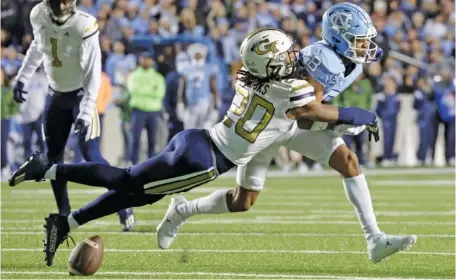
(249, 80)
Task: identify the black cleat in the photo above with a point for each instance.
(33, 169)
(56, 229)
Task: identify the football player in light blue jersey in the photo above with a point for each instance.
(197, 82)
(332, 65)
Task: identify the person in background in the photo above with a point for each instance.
(423, 103)
(196, 108)
(9, 108)
(147, 90)
(104, 99)
(123, 103)
(444, 91)
(359, 94)
(288, 159)
(32, 112)
(388, 106)
(119, 64)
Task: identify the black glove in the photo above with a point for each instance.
(372, 128)
(80, 128)
(18, 91)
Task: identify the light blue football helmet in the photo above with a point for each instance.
(349, 29)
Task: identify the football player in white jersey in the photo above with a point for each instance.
(329, 66)
(263, 114)
(66, 42)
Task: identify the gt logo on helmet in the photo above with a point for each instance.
(261, 49)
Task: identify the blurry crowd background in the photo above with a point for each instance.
(147, 59)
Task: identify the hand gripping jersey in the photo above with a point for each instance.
(61, 48)
(257, 118)
(322, 62)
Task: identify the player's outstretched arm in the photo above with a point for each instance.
(91, 67)
(34, 56)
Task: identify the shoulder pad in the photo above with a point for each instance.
(36, 13)
(321, 63)
(86, 24)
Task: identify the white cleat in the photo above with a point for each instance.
(169, 226)
(382, 246)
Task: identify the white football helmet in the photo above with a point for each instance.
(268, 53)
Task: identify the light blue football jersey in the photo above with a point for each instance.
(322, 62)
(197, 82)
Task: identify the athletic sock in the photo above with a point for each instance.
(215, 203)
(357, 192)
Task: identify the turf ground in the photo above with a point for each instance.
(300, 227)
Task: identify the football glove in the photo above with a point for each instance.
(372, 128)
(378, 54)
(18, 91)
(81, 127)
(348, 129)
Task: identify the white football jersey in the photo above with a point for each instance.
(60, 48)
(257, 118)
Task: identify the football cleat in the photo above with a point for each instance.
(382, 246)
(33, 169)
(169, 226)
(127, 219)
(56, 231)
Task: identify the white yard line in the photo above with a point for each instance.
(257, 220)
(414, 183)
(368, 172)
(287, 212)
(256, 234)
(231, 251)
(218, 274)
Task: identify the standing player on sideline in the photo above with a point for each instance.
(261, 116)
(66, 41)
(330, 66)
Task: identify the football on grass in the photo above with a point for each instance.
(86, 258)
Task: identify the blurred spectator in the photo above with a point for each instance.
(190, 27)
(359, 94)
(104, 98)
(423, 103)
(122, 101)
(147, 90)
(9, 108)
(87, 6)
(10, 19)
(10, 63)
(388, 106)
(119, 64)
(287, 160)
(196, 84)
(444, 90)
(32, 112)
(172, 87)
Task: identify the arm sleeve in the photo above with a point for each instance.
(91, 67)
(301, 94)
(34, 56)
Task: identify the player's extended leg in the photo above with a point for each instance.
(188, 161)
(328, 148)
(57, 125)
(90, 149)
(250, 180)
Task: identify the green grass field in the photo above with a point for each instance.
(300, 227)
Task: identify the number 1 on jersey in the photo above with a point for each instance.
(241, 108)
(55, 61)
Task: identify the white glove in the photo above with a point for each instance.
(319, 126)
(349, 129)
(181, 111)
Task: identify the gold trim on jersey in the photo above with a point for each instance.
(181, 183)
(95, 130)
(294, 89)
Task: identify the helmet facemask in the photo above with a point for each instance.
(283, 64)
(60, 10)
(361, 48)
